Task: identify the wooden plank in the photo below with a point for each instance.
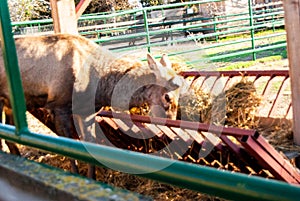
(167, 131)
(81, 6)
(146, 133)
(64, 16)
(195, 135)
(278, 157)
(182, 134)
(212, 138)
(292, 26)
(266, 160)
(155, 130)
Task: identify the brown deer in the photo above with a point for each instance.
(69, 76)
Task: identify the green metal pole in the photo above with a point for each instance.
(215, 27)
(147, 29)
(251, 29)
(273, 23)
(12, 68)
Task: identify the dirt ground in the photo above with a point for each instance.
(158, 191)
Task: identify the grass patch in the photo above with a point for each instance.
(248, 56)
(247, 35)
(247, 64)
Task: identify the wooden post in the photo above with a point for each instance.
(292, 26)
(64, 16)
(81, 6)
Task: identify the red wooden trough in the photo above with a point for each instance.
(227, 148)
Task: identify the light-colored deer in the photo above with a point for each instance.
(66, 75)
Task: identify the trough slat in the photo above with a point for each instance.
(266, 160)
(277, 156)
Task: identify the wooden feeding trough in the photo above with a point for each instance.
(228, 148)
(231, 149)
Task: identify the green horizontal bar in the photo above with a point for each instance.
(216, 45)
(254, 12)
(122, 37)
(268, 14)
(32, 22)
(260, 49)
(225, 184)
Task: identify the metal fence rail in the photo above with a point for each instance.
(168, 26)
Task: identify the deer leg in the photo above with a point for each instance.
(64, 127)
(86, 130)
(74, 167)
(91, 171)
(1, 117)
(13, 148)
(6, 118)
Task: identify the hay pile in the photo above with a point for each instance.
(235, 107)
(280, 136)
(239, 104)
(143, 110)
(158, 191)
(178, 65)
(194, 105)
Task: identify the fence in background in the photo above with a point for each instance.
(192, 30)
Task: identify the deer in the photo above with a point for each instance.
(71, 77)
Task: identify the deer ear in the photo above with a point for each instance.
(174, 83)
(151, 62)
(156, 67)
(178, 82)
(165, 61)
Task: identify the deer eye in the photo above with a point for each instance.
(167, 98)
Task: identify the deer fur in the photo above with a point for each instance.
(66, 74)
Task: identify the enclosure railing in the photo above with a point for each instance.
(224, 184)
(188, 25)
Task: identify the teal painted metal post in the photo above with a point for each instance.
(163, 13)
(12, 68)
(273, 23)
(215, 27)
(251, 29)
(147, 30)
